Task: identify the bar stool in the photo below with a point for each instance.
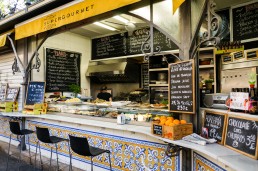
(44, 137)
(80, 145)
(15, 129)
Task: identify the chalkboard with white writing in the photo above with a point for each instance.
(35, 93)
(182, 87)
(3, 89)
(215, 122)
(124, 44)
(245, 21)
(109, 46)
(157, 129)
(12, 93)
(241, 135)
(62, 69)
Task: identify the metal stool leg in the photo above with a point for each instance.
(50, 157)
(35, 162)
(70, 154)
(91, 163)
(57, 157)
(21, 136)
(29, 149)
(110, 161)
(41, 163)
(8, 152)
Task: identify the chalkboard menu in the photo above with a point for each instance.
(241, 135)
(135, 41)
(245, 20)
(35, 93)
(181, 85)
(145, 76)
(62, 69)
(110, 46)
(3, 89)
(215, 123)
(123, 44)
(157, 129)
(12, 94)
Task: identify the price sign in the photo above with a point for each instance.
(157, 129)
(35, 93)
(215, 123)
(181, 85)
(3, 89)
(12, 94)
(241, 135)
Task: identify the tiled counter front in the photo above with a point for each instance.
(129, 151)
(5, 130)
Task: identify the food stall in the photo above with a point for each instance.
(155, 122)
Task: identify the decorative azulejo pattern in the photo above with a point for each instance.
(200, 163)
(126, 153)
(5, 128)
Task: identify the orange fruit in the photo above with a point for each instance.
(162, 122)
(183, 121)
(170, 118)
(163, 117)
(171, 124)
(168, 122)
(176, 121)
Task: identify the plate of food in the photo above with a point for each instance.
(158, 106)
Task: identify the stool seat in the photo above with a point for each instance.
(80, 145)
(43, 136)
(26, 131)
(16, 130)
(97, 151)
(55, 139)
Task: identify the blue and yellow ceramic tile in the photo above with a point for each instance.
(126, 153)
(200, 163)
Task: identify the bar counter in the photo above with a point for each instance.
(131, 135)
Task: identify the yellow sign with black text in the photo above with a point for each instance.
(71, 14)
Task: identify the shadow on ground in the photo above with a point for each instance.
(14, 164)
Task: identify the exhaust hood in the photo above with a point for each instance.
(116, 70)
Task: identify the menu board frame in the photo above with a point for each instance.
(28, 91)
(226, 56)
(13, 100)
(255, 156)
(225, 115)
(254, 50)
(78, 60)
(193, 87)
(232, 22)
(6, 85)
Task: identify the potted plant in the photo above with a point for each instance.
(252, 79)
(208, 83)
(75, 89)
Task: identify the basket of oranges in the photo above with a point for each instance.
(173, 129)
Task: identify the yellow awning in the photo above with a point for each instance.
(177, 4)
(4, 36)
(71, 14)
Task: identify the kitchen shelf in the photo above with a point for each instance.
(158, 85)
(159, 69)
(206, 66)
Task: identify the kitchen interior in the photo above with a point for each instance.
(144, 79)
